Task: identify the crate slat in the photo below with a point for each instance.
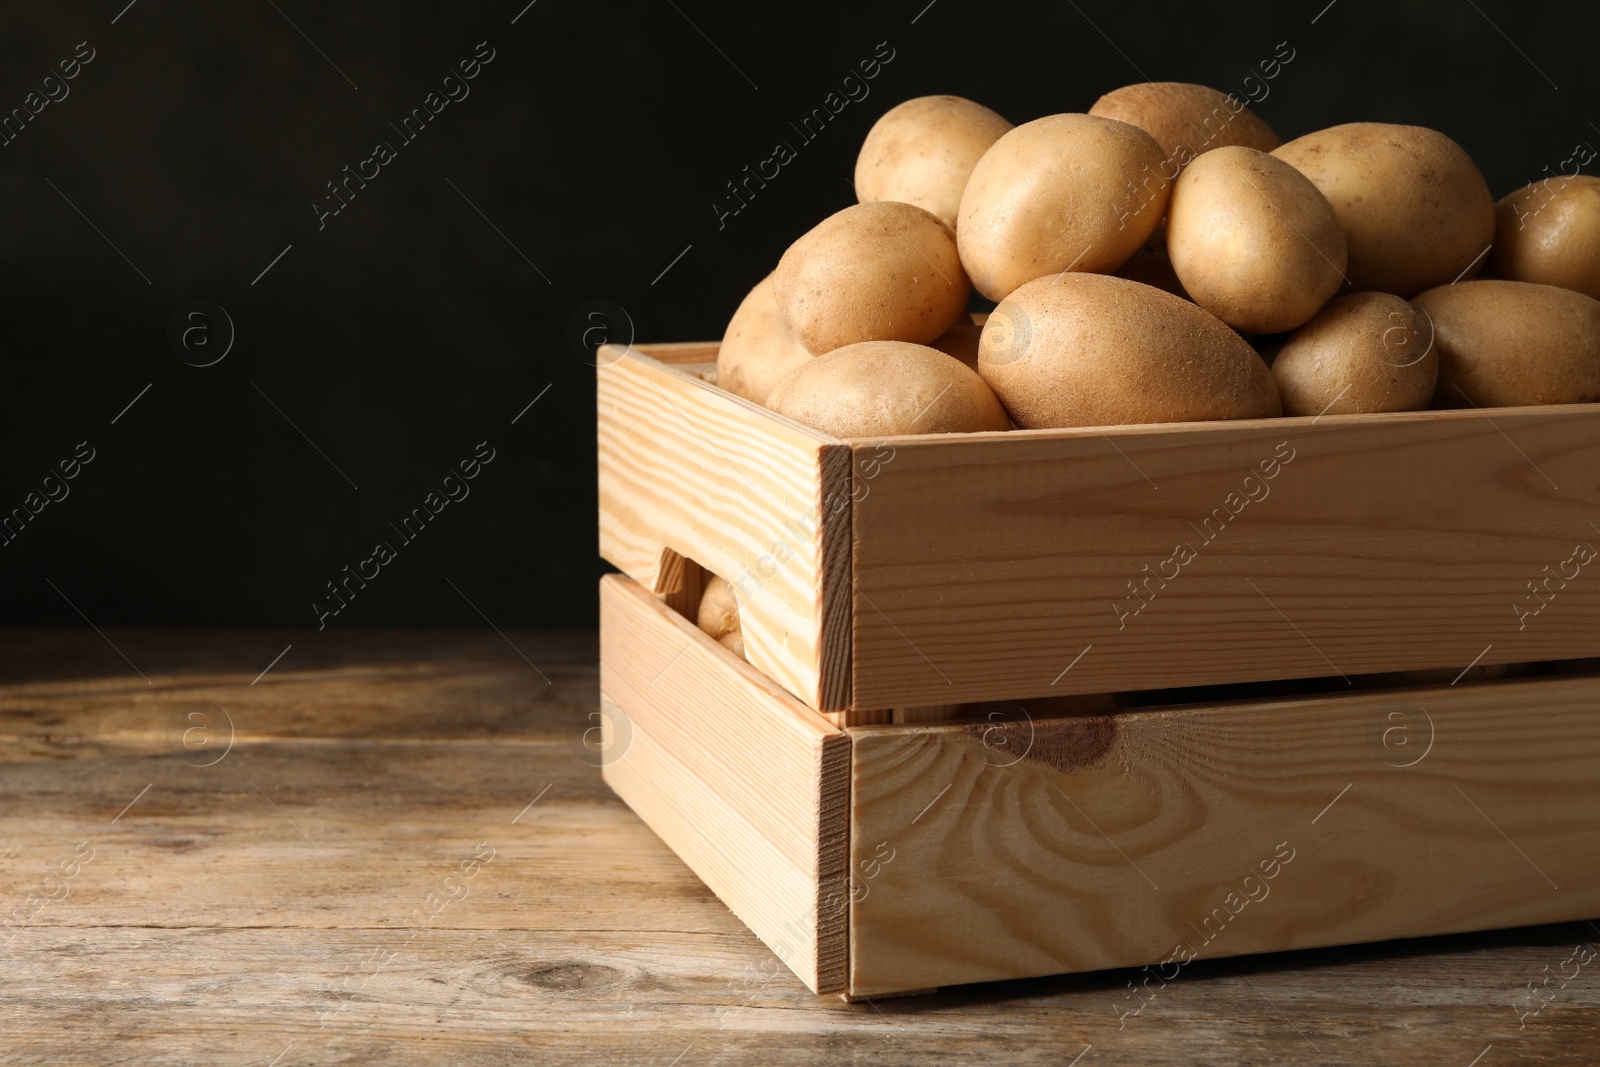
(746, 784)
(1009, 849)
(984, 564)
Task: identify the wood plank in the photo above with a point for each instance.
(553, 995)
(1024, 848)
(200, 933)
(314, 835)
(986, 563)
(753, 497)
(681, 584)
(745, 783)
(208, 686)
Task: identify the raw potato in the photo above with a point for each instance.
(880, 388)
(1065, 192)
(1364, 352)
(1253, 241)
(1549, 232)
(1094, 350)
(872, 272)
(719, 615)
(1415, 211)
(1186, 120)
(758, 350)
(922, 152)
(1506, 344)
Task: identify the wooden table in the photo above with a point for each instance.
(405, 856)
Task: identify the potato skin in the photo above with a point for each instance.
(1187, 120)
(883, 388)
(1506, 344)
(719, 608)
(1096, 350)
(758, 350)
(1065, 192)
(1415, 211)
(872, 272)
(1549, 232)
(922, 152)
(1364, 352)
(1253, 241)
(718, 615)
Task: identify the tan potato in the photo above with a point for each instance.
(758, 349)
(1253, 241)
(1415, 211)
(1549, 232)
(879, 388)
(1363, 352)
(1065, 192)
(1186, 120)
(872, 272)
(719, 614)
(922, 152)
(1505, 344)
(1094, 350)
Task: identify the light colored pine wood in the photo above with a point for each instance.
(745, 783)
(982, 565)
(757, 499)
(685, 582)
(1102, 841)
(985, 564)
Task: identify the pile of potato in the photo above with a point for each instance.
(1165, 258)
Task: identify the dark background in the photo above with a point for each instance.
(408, 329)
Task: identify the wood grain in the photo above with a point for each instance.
(984, 564)
(681, 583)
(686, 467)
(201, 933)
(1014, 848)
(747, 784)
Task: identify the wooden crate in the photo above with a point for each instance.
(936, 569)
(885, 859)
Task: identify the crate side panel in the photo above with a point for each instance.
(1014, 848)
(686, 468)
(747, 785)
(991, 567)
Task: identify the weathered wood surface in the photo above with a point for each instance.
(1012, 847)
(687, 470)
(207, 929)
(986, 564)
